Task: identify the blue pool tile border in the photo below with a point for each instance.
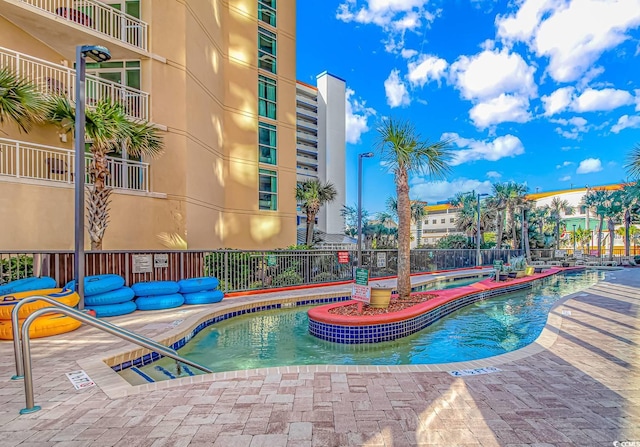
(377, 333)
(153, 356)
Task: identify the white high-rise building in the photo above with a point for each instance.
(321, 144)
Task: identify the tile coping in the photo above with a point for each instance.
(114, 386)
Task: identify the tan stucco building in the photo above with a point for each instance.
(217, 77)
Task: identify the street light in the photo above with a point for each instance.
(574, 239)
(360, 157)
(478, 238)
(98, 54)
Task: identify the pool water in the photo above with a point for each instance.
(281, 338)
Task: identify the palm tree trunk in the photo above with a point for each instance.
(525, 235)
(404, 242)
(557, 234)
(310, 221)
(99, 198)
(500, 229)
(600, 225)
(514, 233)
(611, 226)
(627, 225)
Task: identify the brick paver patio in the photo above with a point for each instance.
(578, 385)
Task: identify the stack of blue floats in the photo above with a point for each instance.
(107, 295)
(167, 294)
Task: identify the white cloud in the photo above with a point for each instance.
(626, 121)
(427, 68)
(396, 90)
(491, 73)
(601, 100)
(572, 34)
(501, 147)
(357, 116)
(395, 17)
(493, 174)
(564, 164)
(432, 192)
(589, 165)
(576, 124)
(557, 101)
(637, 92)
(408, 54)
(566, 178)
(504, 108)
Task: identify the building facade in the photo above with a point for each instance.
(217, 77)
(321, 144)
(441, 218)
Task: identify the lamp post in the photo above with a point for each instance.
(98, 54)
(478, 235)
(574, 239)
(360, 157)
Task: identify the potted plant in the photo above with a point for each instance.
(380, 296)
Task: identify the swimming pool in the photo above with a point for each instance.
(281, 338)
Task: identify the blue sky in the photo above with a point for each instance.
(542, 92)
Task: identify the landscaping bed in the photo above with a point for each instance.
(395, 305)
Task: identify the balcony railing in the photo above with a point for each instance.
(99, 17)
(35, 161)
(58, 79)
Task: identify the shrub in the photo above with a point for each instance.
(288, 277)
(15, 268)
(325, 277)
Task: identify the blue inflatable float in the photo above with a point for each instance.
(155, 288)
(27, 284)
(97, 284)
(112, 310)
(157, 302)
(121, 295)
(208, 297)
(198, 284)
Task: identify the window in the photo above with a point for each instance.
(130, 7)
(121, 72)
(452, 220)
(267, 11)
(426, 222)
(441, 220)
(267, 97)
(267, 143)
(266, 50)
(268, 190)
(433, 221)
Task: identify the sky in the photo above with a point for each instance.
(542, 92)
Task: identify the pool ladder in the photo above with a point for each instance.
(23, 353)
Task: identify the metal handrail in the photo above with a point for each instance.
(84, 318)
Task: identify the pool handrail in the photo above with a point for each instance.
(91, 321)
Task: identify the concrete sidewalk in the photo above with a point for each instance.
(579, 384)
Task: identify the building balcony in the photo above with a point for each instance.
(307, 161)
(306, 113)
(63, 24)
(22, 160)
(305, 149)
(58, 79)
(307, 137)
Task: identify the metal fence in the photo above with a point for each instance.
(237, 270)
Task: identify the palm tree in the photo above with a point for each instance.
(466, 220)
(595, 199)
(633, 161)
(312, 194)
(515, 197)
(109, 130)
(557, 207)
(498, 202)
(629, 198)
(418, 213)
(21, 101)
(404, 152)
(389, 224)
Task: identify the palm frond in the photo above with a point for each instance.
(21, 101)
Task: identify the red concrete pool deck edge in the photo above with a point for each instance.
(321, 314)
(338, 283)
